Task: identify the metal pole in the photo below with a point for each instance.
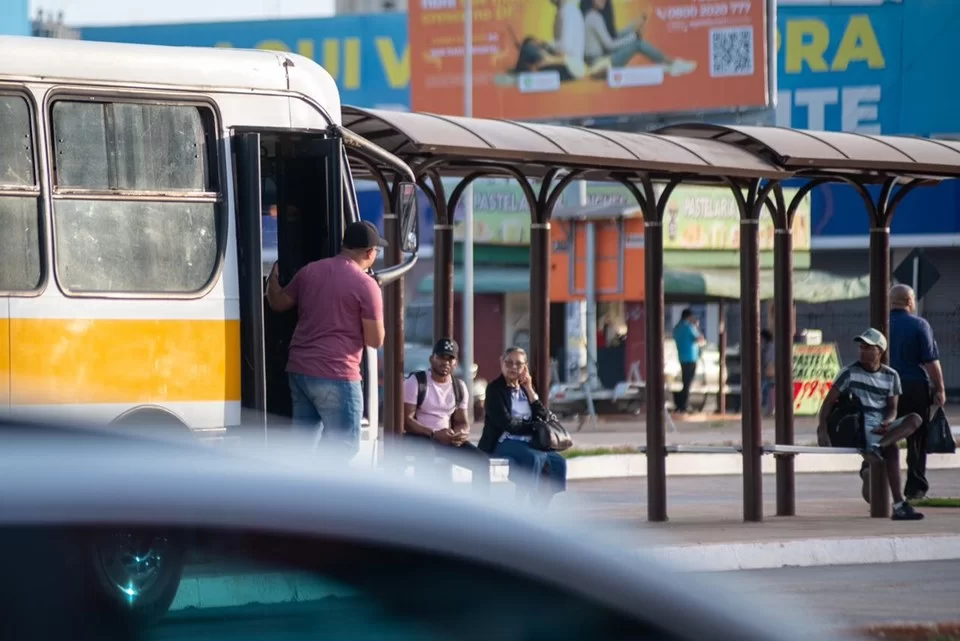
(783, 385)
(590, 267)
(467, 300)
(656, 396)
(879, 319)
(539, 358)
(722, 343)
(752, 426)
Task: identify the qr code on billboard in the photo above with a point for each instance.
(731, 52)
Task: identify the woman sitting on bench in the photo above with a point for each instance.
(511, 400)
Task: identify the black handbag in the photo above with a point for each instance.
(549, 435)
(939, 435)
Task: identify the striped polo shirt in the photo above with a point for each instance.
(873, 389)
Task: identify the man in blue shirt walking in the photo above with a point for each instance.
(916, 358)
(689, 340)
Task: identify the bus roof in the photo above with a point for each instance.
(56, 60)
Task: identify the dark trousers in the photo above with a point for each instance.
(916, 399)
(426, 451)
(687, 373)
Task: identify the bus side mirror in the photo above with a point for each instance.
(406, 208)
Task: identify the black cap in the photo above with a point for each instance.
(362, 235)
(446, 347)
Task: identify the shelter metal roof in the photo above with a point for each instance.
(466, 143)
(823, 152)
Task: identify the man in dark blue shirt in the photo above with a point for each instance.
(916, 357)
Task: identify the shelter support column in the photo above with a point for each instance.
(783, 332)
(752, 425)
(393, 339)
(783, 382)
(880, 319)
(442, 258)
(656, 393)
(783, 343)
(881, 215)
(653, 210)
(539, 357)
(751, 205)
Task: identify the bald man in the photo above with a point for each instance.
(916, 357)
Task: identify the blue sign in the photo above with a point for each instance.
(15, 18)
(871, 69)
(930, 49)
(367, 55)
(838, 68)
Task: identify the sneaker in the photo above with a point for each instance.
(865, 477)
(681, 67)
(917, 496)
(905, 512)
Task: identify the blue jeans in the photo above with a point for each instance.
(622, 56)
(330, 410)
(527, 466)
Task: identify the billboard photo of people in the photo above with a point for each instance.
(600, 57)
(588, 44)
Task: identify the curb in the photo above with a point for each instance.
(728, 557)
(607, 466)
(242, 589)
(612, 466)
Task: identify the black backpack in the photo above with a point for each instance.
(845, 424)
(421, 376)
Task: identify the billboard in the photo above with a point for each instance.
(546, 59)
(872, 69)
(839, 68)
(366, 55)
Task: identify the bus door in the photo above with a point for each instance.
(289, 210)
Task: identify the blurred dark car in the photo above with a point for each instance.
(116, 536)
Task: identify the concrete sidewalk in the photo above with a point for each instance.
(629, 434)
(706, 531)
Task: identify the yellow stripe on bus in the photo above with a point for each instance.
(79, 361)
(4, 362)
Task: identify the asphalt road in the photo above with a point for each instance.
(844, 595)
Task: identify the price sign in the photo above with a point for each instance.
(815, 367)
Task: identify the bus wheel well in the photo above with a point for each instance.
(147, 417)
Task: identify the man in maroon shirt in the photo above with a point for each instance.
(339, 312)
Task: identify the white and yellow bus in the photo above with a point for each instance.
(131, 262)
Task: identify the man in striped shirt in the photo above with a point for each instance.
(877, 387)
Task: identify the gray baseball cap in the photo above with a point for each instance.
(873, 337)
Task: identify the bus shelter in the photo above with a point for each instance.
(753, 162)
(895, 166)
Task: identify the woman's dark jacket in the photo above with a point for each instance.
(498, 414)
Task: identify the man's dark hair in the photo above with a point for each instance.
(685, 314)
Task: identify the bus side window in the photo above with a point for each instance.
(147, 219)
